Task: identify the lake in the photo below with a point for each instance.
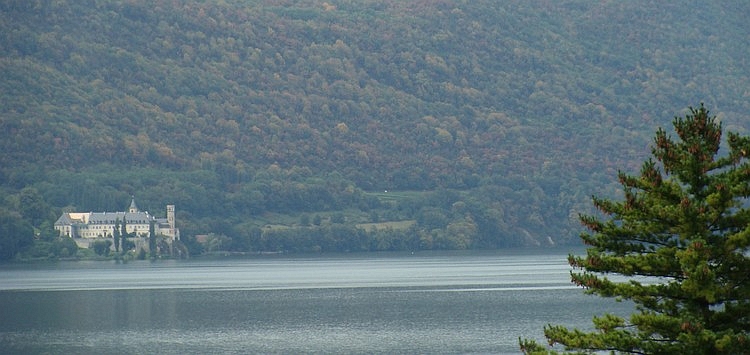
(380, 303)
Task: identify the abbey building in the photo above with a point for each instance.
(89, 225)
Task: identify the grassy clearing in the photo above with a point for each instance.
(276, 226)
(396, 195)
(279, 221)
(395, 225)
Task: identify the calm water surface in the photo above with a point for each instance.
(458, 303)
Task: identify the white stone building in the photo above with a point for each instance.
(84, 226)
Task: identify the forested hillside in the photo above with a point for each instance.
(271, 123)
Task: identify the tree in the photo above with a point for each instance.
(116, 235)
(127, 245)
(101, 247)
(124, 231)
(64, 247)
(16, 234)
(681, 239)
(32, 206)
(152, 238)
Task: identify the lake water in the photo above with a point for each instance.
(426, 303)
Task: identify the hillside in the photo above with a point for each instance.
(504, 117)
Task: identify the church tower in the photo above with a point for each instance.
(133, 208)
(170, 221)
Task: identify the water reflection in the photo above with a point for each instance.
(387, 304)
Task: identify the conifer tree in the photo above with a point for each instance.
(152, 238)
(681, 239)
(116, 235)
(124, 233)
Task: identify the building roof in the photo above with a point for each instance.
(112, 217)
(106, 218)
(64, 220)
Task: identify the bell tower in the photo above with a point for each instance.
(133, 208)
(170, 221)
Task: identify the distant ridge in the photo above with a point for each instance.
(239, 109)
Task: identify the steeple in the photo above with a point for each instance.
(133, 208)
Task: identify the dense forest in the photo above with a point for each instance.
(346, 125)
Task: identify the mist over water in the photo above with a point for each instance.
(448, 303)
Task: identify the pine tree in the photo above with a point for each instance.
(681, 239)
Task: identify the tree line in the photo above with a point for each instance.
(251, 114)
